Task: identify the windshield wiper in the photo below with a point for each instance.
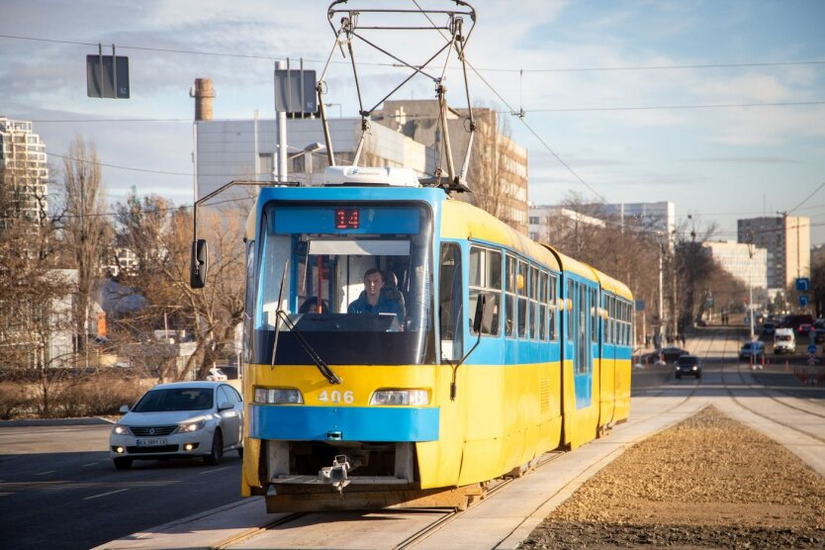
(331, 377)
(280, 314)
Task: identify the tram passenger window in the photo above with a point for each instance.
(485, 277)
(594, 316)
(510, 297)
(570, 294)
(584, 356)
(534, 304)
(522, 283)
(543, 306)
(552, 310)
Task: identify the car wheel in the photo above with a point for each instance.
(215, 455)
(240, 451)
(122, 463)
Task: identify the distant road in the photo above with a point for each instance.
(59, 489)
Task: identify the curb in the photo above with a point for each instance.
(88, 421)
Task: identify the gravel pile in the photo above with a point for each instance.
(709, 482)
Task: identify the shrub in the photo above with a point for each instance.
(13, 400)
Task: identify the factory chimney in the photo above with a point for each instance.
(203, 94)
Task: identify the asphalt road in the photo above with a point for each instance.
(59, 489)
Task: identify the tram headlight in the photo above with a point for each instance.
(278, 396)
(400, 397)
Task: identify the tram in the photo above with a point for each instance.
(501, 350)
(405, 348)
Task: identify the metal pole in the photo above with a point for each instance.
(282, 144)
(661, 289)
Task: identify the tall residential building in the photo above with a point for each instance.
(498, 175)
(746, 262)
(23, 163)
(788, 242)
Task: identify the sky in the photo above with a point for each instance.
(715, 105)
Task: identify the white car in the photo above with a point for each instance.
(179, 420)
(216, 375)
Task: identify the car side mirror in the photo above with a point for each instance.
(483, 318)
(224, 405)
(124, 409)
(199, 264)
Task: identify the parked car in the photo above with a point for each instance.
(752, 350)
(179, 420)
(216, 375)
(688, 364)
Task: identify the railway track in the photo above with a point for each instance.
(315, 526)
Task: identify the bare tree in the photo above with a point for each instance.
(35, 296)
(86, 231)
(160, 236)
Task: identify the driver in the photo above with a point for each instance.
(372, 300)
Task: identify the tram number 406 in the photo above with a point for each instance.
(336, 396)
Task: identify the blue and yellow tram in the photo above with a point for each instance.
(482, 349)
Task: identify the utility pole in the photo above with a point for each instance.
(750, 281)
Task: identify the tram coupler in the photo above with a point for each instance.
(337, 473)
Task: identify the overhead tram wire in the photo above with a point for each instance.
(536, 135)
(485, 69)
(806, 198)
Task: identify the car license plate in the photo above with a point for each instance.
(154, 442)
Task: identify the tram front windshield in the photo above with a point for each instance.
(352, 282)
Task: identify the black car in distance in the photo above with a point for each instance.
(688, 364)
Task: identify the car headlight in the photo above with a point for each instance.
(117, 429)
(189, 427)
(400, 397)
(278, 396)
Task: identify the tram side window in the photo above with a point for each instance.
(249, 300)
(510, 297)
(534, 302)
(624, 324)
(570, 294)
(584, 357)
(449, 302)
(521, 285)
(594, 316)
(543, 305)
(485, 277)
(552, 310)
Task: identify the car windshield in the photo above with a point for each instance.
(688, 360)
(175, 399)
